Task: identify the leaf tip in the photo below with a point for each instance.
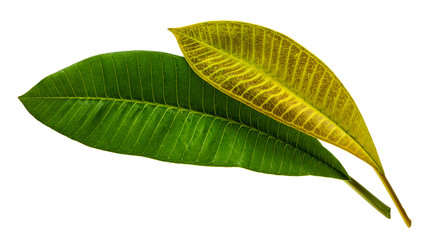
(20, 97)
(176, 31)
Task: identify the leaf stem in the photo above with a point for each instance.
(369, 197)
(394, 197)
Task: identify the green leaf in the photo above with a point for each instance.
(152, 104)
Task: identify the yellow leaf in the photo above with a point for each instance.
(275, 75)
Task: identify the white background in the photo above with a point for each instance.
(54, 188)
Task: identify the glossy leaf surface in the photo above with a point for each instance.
(152, 104)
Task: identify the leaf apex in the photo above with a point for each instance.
(173, 30)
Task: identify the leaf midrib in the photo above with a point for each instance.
(279, 84)
(184, 109)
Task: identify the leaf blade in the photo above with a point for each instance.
(295, 90)
(158, 112)
(113, 120)
(287, 83)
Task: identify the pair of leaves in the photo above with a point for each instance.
(152, 104)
